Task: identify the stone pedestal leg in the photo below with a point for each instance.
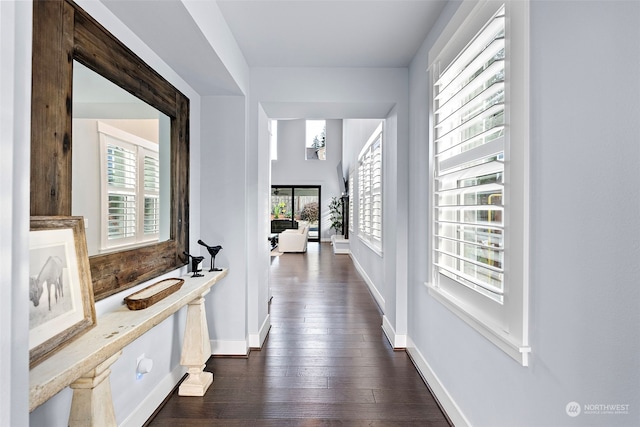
(91, 404)
(196, 350)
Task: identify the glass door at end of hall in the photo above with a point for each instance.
(293, 206)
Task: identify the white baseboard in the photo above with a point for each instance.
(256, 340)
(396, 341)
(441, 394)
(376, 295)
(229, 348)
(154, 399)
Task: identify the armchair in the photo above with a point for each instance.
(293, 240)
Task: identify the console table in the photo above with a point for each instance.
(84, 363)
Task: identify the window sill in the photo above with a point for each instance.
(371, 246)
(496, 335)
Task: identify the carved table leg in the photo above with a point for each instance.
(91, 404)
(196, 350)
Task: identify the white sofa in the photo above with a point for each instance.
(293, 240)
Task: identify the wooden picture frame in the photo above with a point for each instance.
(61, 298)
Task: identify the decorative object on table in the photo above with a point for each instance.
(273, 239)
(213, 251)
(152, 294)
(58, 267)
(335, 210)
(195, 264)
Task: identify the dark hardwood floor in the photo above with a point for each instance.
(325, 362)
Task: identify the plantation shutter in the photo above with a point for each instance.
(351, 178)
(469, 131)
(121, 192)
(365, 194)
(130, 188)
(151, 221)
(370, 190)
(376, 190)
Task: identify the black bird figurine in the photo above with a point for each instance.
(213, 251)
(195, 261)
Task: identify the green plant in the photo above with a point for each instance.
(335, 209)
(277, 210)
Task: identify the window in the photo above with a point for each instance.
(273, 139)
(351, 195)
(316, 132)
(296, 207)
(130, 188)
(370, 191)
(480, 141)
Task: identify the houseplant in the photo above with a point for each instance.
(335, 210)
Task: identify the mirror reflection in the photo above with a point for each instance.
(121, 162)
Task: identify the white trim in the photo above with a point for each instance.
(469, 10)
(377, 250)
(257, 340)
(229, 348)
(127, 137)
(374, 136)
(493, 333)
(398, 342)
(154, 399)
(448, 405)
(372, 288)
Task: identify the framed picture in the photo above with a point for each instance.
(61, 304)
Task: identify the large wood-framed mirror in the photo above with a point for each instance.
(64, 35)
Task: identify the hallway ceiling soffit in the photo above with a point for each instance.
(168, 28)
(283, 33)
(327, 110)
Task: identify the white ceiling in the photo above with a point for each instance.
(282, 33)
(330, 33)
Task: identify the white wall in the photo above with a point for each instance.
(370, 264)
(259, 294)
(224, 218)
(291, 168)
(585, 333)
(385, 271)
(15, 131)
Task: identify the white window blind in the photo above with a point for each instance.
(480, 171)
(469, 149)
(151, 220)
(351, 201)
(121, 179)
(131, 188)
(370, 191)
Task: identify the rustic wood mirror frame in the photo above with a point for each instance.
(62, 32)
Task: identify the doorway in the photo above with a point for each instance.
(293, 205)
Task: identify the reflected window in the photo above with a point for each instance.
(130, 186)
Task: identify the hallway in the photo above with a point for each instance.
(325, 362)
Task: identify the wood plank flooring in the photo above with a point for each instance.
(325, 362)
